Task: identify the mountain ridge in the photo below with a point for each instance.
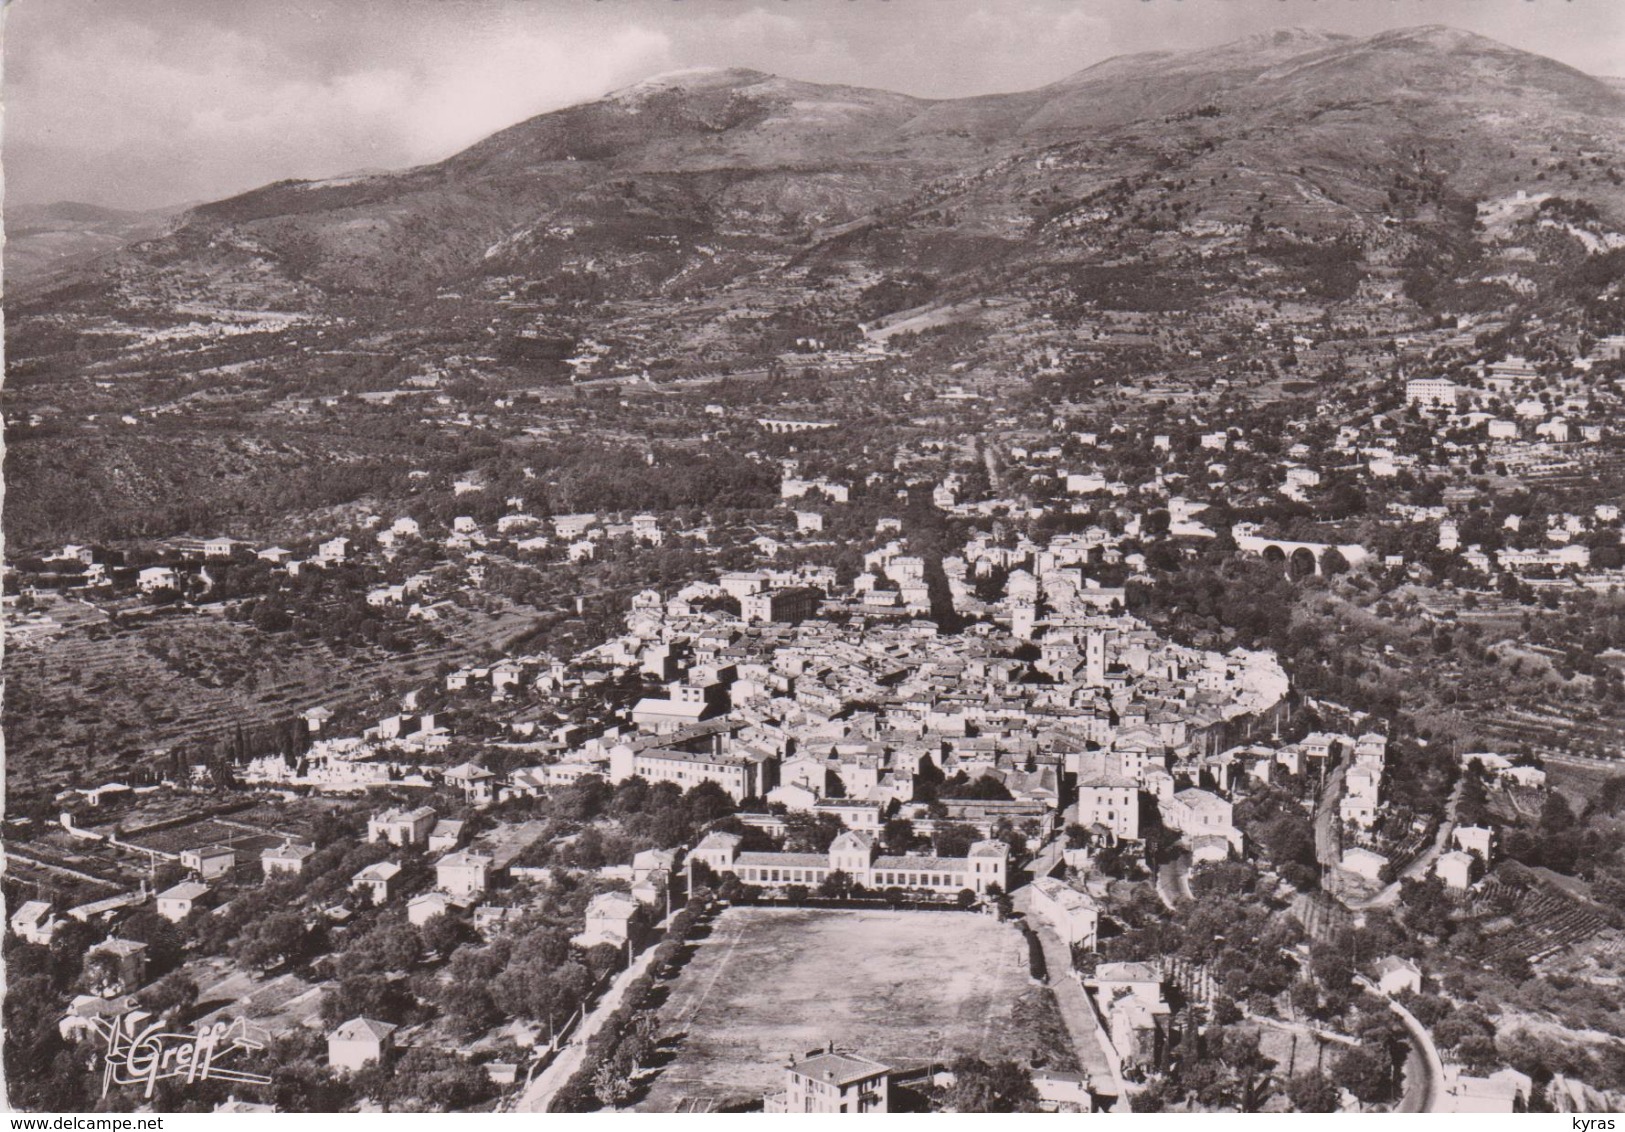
(715, 223)
(633, 181)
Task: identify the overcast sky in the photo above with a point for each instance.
(143, 103)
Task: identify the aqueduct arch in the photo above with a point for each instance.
(1298, 559)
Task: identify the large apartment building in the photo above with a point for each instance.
(788, 605)
(1431, 391)
(1112, 801)
(401, 826)
(741, 775)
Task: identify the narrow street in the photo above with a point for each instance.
(1413, 1099)
(1094, 1052)
(1328, 827)
(539, 1093)
(1417, 869)
(1174, 882)
(1048, 858)
(995, 476)
(1424, 1071)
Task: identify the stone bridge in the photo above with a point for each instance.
(775, 424)
(1299, 559)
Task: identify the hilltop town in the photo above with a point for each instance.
(491, 876)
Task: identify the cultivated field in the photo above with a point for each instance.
(272, 1005)
(903, 987)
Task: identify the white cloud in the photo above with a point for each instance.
(496, 83)
(131, 116)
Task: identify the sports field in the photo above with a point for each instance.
(902, 987)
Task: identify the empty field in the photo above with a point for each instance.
(903, 987)
(271, 1005)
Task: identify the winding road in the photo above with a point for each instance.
(1424, 1071)
(1174, 882)
(1417, 869)
(1424, 1082)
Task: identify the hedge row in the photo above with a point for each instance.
(1037, 967)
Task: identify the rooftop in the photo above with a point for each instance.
(1128, 973)
(287, 852)
(664, 706)
(186, 890)
(465, 859)
(120, 947)
(922, 863)
(360, 1030)
(839, 1068)
(207, 851)
(706, 758)
(1065, 895)
(785, 860)
(468, 772)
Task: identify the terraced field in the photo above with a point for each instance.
(1323, 918)
(89, 703)
(1581, 474)
(248, 843)
(1537, 922)
(1548, 731)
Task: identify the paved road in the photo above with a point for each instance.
(1048, 857)
(1093, 1048)
(1428, 1078)
(1174, 882)
(1418, 868)
(539, 1093)
(1413, 1099)
(994, 476)
(1328, 823)
(1424, 1072)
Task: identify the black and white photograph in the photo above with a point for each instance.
(813, 556)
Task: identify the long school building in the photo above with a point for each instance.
(854, 854)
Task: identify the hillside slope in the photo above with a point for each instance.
(708, 221)
(745, 163)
